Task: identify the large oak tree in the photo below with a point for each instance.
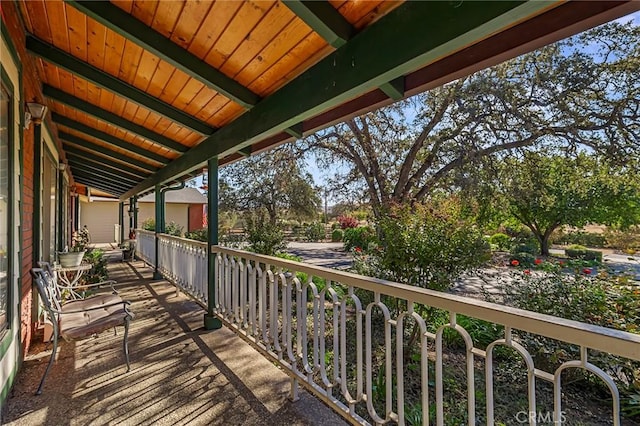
(580, 92)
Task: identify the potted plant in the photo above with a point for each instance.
(73, 257)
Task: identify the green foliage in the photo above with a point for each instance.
(198, 235)
(360, 237)
(581, 252)
(547, 191)
(98, 271)
(314, 232)
(337, 235)
(628, 240)
(501, 241)
(482, 332)
(523, 258)
(530, 248)
(173, 228)
(427, 245)
(588, 239)
(273, 181)
(149, 224)
(263, 236)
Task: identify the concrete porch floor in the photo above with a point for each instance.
(180, 373)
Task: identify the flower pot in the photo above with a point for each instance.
(70, 259)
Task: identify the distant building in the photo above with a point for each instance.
(185, 207)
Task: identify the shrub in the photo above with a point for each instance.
(523, 258)
(149, 224)
(583, 238)
(500, 240)
(531, 248)
(336, 235)
(263, 236)
(172, 228)
(198, 235)
(627, 241)
(358, 237)
(347, 222)
(314, 232)
(428, 245)
(580, 252)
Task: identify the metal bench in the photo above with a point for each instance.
(78, 319)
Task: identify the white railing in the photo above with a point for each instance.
(146, 246)
(184, 262)
(345, 350)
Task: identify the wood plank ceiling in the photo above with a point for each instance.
(135, 87)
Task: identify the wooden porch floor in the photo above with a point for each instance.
(181, 374)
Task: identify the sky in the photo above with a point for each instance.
(321, 176)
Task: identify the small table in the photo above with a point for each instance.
(70, 277)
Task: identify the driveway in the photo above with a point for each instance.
(330, 255)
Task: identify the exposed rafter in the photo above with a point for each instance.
(111, 118)
(98, 160)
(130, 28)
(101, 179)
(105, 137)
(66, 137)
(296, 131)
(62, 59)
(99, 185)
(430, 30)
(394, 89)
(79, 164)
(324, 19)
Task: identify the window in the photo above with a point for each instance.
(5, 205)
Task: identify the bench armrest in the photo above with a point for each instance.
(126, 303)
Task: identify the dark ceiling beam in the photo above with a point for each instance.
(329, 24)
(101, 179)
(429, 31)
(66, 137)
(91, 168)
(138, 32)
(111, 118)
(105, 162)
(105, 137)
(62, 59)
(394, 88)
(323, 19)
(88, 181)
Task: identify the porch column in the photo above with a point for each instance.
(135, 212)
(37, 191)
(61, 200)
(76, 212)
(131, 213)
(121, 220)
(212, 322)
(158, 229)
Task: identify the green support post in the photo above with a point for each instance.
(37, 191)
(121, 220)
(76, 211)
(211, 321)
(135, 212)
(159, 204)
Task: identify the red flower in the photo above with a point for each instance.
(526, 271)
(561, 263)
(358, 250)
(586, 271)
(537, 261)
(515, 262)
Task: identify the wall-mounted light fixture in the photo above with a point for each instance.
(35, 112)
(62, 166)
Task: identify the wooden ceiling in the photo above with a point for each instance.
(143, 92)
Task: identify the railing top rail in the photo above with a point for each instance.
(144, 232)
(600, 338)
(183, 240)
